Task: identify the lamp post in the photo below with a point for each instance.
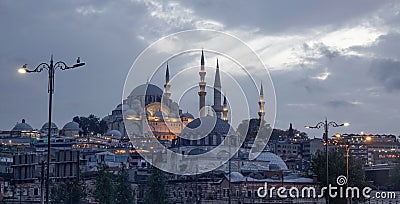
(325, 124)
(51, 68)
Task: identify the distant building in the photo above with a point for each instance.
(371, 148)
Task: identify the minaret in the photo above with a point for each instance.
(261, 103)
(202, 85)
(225, 110)
(167, 86)
(217, 93)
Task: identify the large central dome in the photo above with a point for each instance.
(146, 93)
(147, 89)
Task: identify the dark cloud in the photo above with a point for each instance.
(283, 16)
(387, 72)
(108, 35)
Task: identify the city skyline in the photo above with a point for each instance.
(342, 65)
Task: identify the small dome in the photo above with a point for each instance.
(71, 126)
(236, 177)
(22, 126)
(197, 151)
(275, 162)
(147, 89)
(188, 115)
(46, 126)
(114, 133)
(121, 107)
(220, 127)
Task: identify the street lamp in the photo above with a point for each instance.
(326, 125)
(51, 68)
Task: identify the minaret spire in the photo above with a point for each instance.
(225, 110)
(202, 85)
(261, 103)
(167, 86)
(217, 93)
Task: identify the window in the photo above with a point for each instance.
(248, 193)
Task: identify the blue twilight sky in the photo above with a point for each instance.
(339, 59)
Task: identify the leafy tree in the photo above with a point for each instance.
(70, 192)
(103, 127)
(90, 124)
(250, 128)
(123, 189)
(156, 187)
(337, 167)
(104, 191)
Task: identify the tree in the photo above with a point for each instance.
(156, 187)
(104, 191)
(70, 192)
(103, 127)
(123, 189)
(337, 167)
(90, 124)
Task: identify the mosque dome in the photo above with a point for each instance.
(275, 162)
(220, 127)
(236, 177)
(147, 89)
(46, 126)
(121, 107)
(71, 126)
(23, 126)
(114, 133)
(187, 114)
(197, 151)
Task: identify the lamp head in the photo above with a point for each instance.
(23, 69)
(346, 124)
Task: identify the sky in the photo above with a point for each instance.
(334, 59)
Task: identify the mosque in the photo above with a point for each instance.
(163, 116)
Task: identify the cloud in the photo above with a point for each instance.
(342, 103)
(386, 72)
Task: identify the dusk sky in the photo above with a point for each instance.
(339, 59)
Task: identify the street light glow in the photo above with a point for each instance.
(22, 70)
(346, 124)
(368, 138)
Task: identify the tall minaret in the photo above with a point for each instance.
(225, 110)
(261, 103)
(202, 85)
(167, 86)
(217, 93)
